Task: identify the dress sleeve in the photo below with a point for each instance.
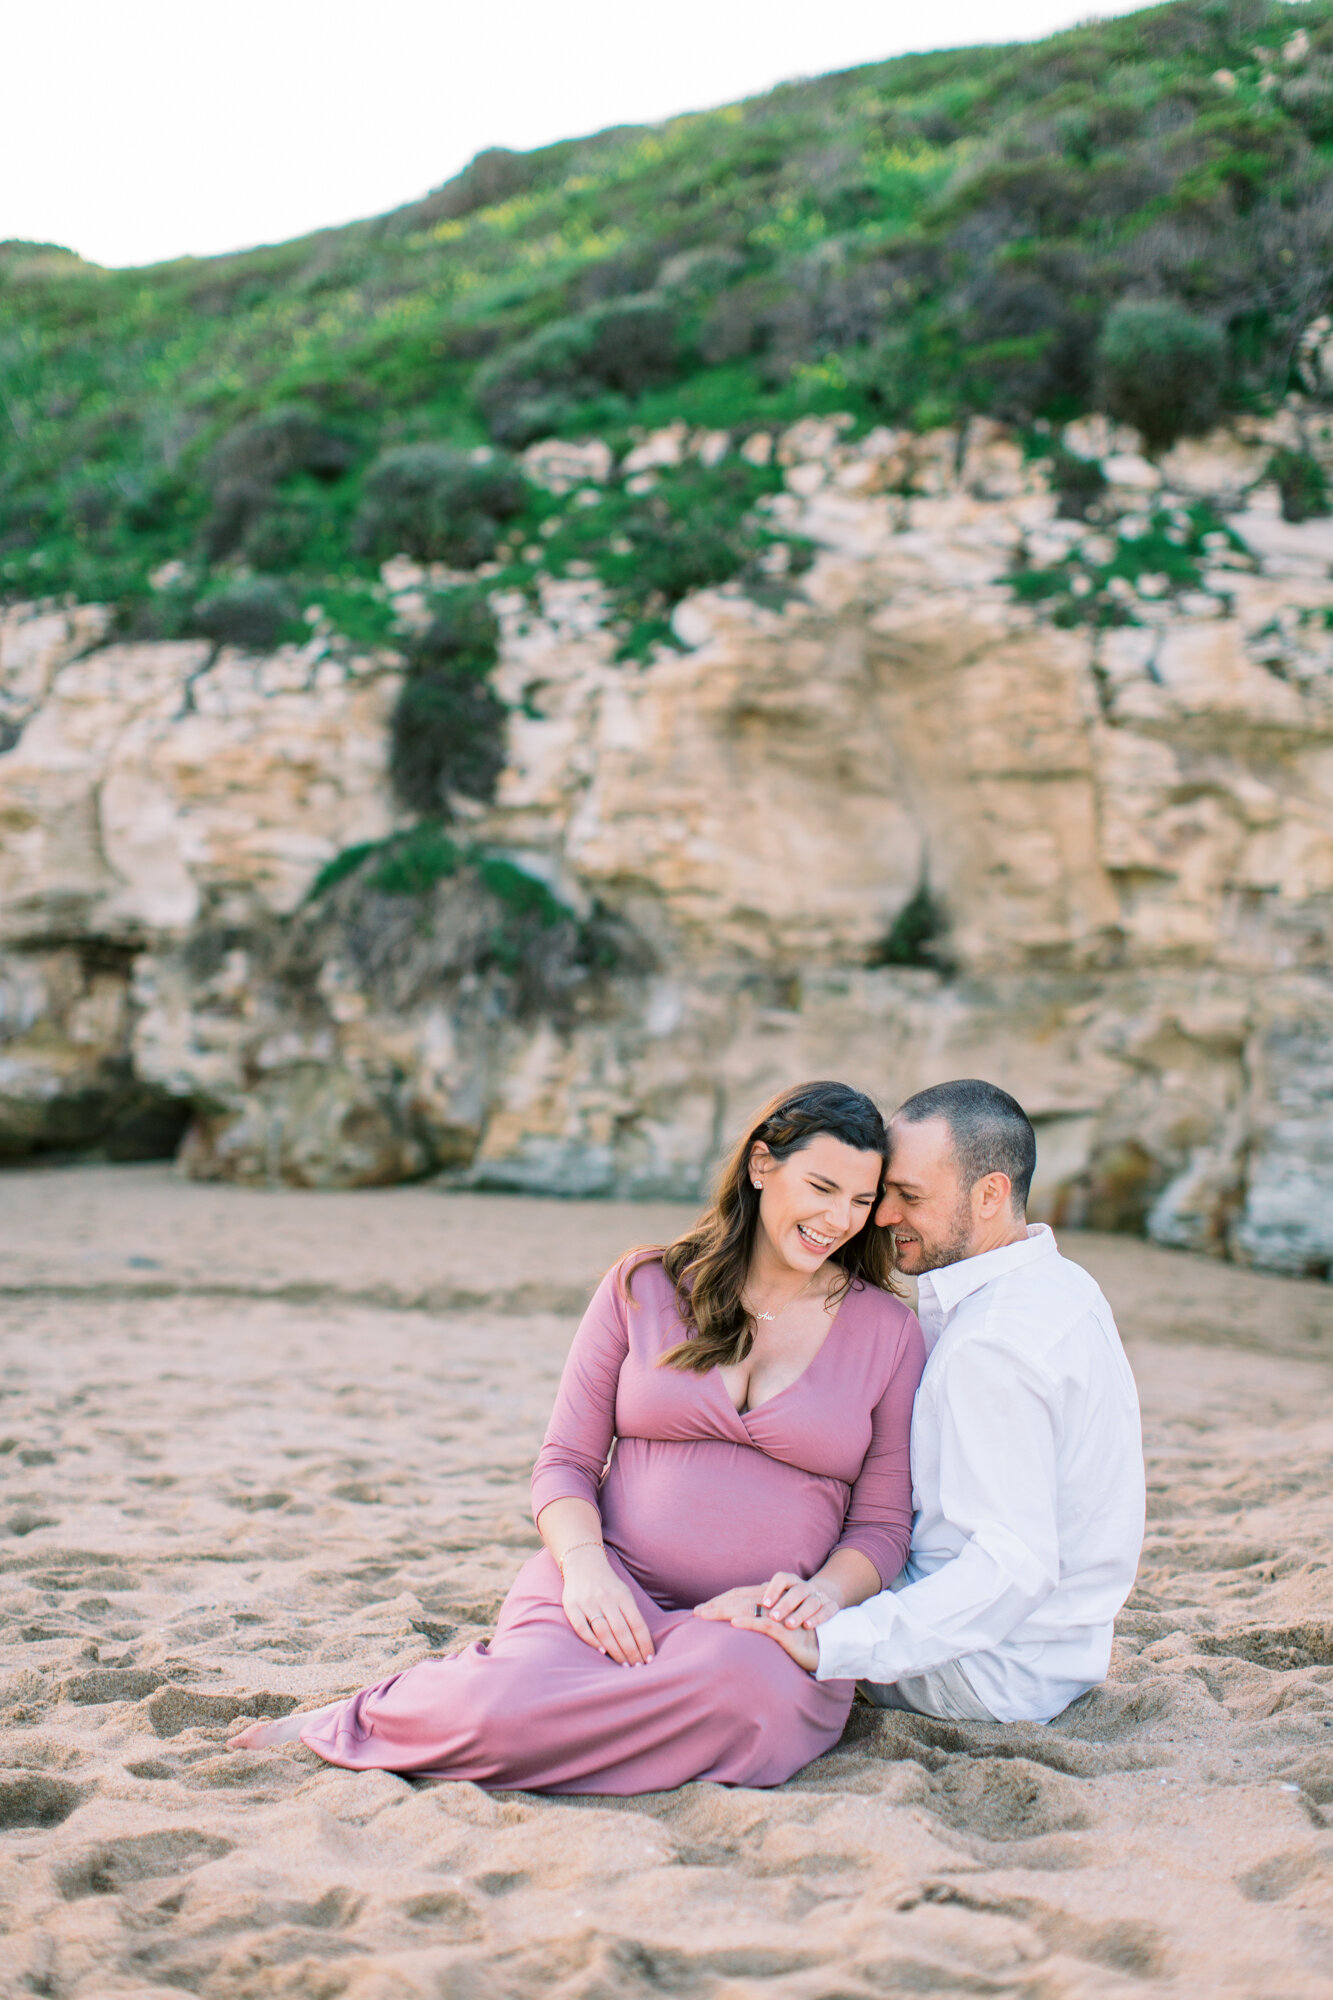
(578, 1438)
(878, 1522)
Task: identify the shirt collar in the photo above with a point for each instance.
(952, 1283)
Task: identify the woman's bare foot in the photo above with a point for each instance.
(287, 1729)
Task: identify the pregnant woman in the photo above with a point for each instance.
(751, 1386)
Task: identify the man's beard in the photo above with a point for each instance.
(953, 1248)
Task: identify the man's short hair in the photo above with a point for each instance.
(991, 1132)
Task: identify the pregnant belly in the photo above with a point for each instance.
(692, 1519)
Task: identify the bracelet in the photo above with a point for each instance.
(560, 1560)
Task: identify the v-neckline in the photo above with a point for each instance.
(753, 1409)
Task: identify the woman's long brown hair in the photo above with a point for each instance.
(710, 1264)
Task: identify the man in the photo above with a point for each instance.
(1027, 1457)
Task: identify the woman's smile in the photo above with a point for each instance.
(815, 1239)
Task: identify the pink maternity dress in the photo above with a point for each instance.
(697, 1497)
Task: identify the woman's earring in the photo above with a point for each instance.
(756, 1184)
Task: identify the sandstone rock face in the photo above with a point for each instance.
(1129, 831)
(150, 794)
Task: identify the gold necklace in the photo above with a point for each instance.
(790, 1303)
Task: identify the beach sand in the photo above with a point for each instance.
(260, 1448)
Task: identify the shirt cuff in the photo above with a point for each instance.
(845, 1644)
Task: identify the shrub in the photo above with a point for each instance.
(697, 530)
(738, 321)
(697, 526)
(632, 344)
(1024, 340)
(437, 504)
(1301, 482)
(913, 936)
(1078, 482)
(1309, 100)
(414, 864)
(257, 614)
(296, 531)
(447, 734)
(626, 345)
(448, 737)
(700, 272)
(526, 908)
(625, 274)
(417, 912)
(461, 636)
(290, 438)
(1043, 195)
(1161, 369)
(674, 555)
(491, 176)
(255, 458)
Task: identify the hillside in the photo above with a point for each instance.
(909, 242)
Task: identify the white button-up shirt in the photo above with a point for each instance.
(1027, 1476)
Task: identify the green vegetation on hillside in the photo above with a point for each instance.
(1136, 215)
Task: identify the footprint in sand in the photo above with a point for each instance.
(34, 1798)
(109, 1866)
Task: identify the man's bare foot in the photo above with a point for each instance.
(287, 1729)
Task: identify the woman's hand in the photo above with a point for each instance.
(602, 1609)
(787, 1598)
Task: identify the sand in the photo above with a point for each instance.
(258, 1449)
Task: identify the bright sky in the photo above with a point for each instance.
(137, 130)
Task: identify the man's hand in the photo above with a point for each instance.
(787, 1598)
(801, 1644)
(602, 1609)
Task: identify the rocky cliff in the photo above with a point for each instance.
(976, 793)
